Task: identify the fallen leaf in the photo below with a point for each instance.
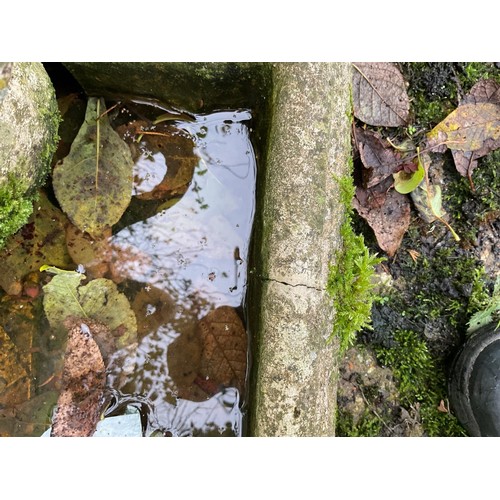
(153, 308)
(39, 241)
(427, 199)
(483, 91)
(406, 182)
(379, 94)
(386, 211)
(93, 253)
(184, 362)
(93, 183)
(470, 127)
(224, 348)
(14, 380)
(65, 297)
(79, 406)
(378, 157)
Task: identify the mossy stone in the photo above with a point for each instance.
(29, 120)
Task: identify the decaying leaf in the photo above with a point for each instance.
(94, 254)
(65, 297)
(14, 381)
(386, 211)
(184, 362)
(39, 241)
(152, 307)
(470, 127)
(379, 158)
(428, 201)
(93, 183)
(379, 94)
(224, 348)
(483, 91)
(79, 405)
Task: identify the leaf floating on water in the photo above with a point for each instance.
(224, 351)
(379, 94)
(386, 211)
(64, 297)
(40, 240)
(93, 183)
(79, 405)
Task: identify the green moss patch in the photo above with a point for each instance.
(350, 280)
(15, 208)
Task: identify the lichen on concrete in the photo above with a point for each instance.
(297, 228)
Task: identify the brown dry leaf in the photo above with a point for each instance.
(483, 91)
(14, 381)
(379, 94)
(386, 211)
(79, 405)
(378, 157)
(224, 354)
(39, 241)
(471, 127)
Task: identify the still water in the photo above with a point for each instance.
(179, 254)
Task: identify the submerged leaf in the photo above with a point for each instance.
(224, 352)
(64, 297)
(40, 240)
(14, 381)
(93, 183)
(379, 94)
(79, 406)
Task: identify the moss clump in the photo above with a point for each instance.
(368, 425)
(15, 208)
(419, 382)
(350, 280)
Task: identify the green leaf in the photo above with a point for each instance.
(405, 183)
(428, 201)
(65, 297)
(93, 183)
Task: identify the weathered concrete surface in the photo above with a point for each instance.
(298, 220)
(193, 86)
(29, 119)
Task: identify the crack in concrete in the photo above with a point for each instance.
(263, 278)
